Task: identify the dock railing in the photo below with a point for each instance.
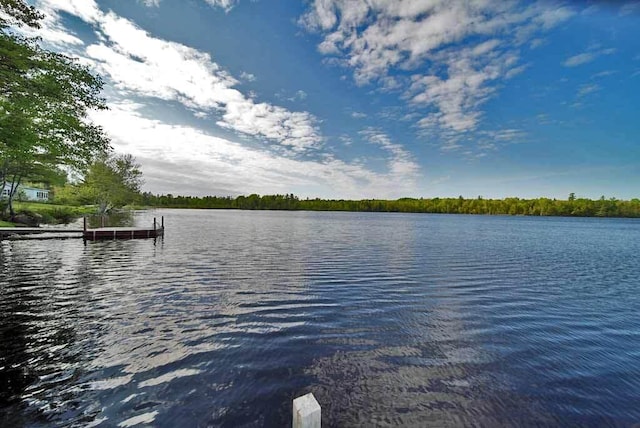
(123, 232)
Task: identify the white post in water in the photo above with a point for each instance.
(306, 412)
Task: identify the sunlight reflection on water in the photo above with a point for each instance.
(389, 319)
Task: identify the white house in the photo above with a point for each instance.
(27, 193)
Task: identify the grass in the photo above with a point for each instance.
(56, 213)
(40, 207)
(53, 213)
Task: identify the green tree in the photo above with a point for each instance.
(44, 101)
(111, 181)
(18, 13)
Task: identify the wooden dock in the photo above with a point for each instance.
(84, 233)
(123, 232)
(13, 231)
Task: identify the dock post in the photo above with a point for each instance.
(306, 412)
(162, 222)
(154, 224)
(84, 223)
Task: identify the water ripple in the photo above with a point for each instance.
(389, 319)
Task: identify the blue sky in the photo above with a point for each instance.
(366, 98)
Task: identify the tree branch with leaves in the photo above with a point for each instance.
(45, 98)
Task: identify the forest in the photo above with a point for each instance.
(575, 207)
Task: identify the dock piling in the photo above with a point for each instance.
(306, 412)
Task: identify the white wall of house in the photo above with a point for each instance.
(29, 193)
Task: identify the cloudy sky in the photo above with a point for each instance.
(366, 98)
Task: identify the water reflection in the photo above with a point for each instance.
(389, 319)
(38, 327)
(113, 219)
(15, 376)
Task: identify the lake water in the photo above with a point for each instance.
(389, 319)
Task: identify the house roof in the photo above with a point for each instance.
(8, 187)
(34, 188)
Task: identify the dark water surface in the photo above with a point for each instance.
(389, 319)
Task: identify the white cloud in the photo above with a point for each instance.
(432, 39)
(400, 163)
(184, 160)
(227, 5)
(515, 71)
(586, 57)
(579, 59)
(151, 3)
(346, 139)
(296, 96)
(629, 8)
(536, 43)
(587, 89)
(140, 64)
(604, 73)
(52, 31)
(293, 129)
(358, 115)
(247, 76)
(152, 67)
(87, 10)
(552, 16)
(504, 135)
(458, 95)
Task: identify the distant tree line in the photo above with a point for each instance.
(577, 207)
